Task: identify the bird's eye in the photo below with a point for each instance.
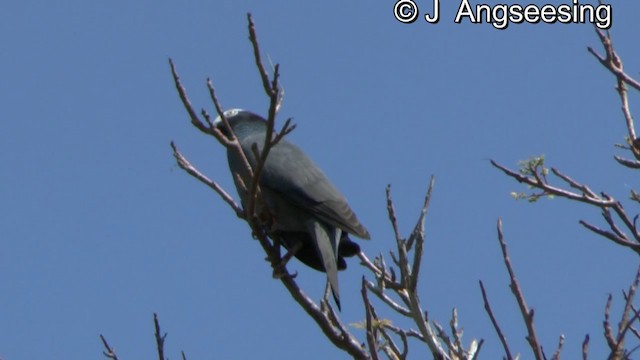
(231, 113)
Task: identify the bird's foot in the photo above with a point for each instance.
(280, 269)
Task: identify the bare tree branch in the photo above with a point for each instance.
(585, 347)
(371, 337)
(159, 337)
(612, 60)
(616, 342)
(633, 164)
(496, 327)
(408, 279)
(556, 354)
(531, 176)
(184, 164)
(395, 352)
(611, 236)
(109, 352)
(399, 293)
(608, 331)
(527, 314)
(536, 181)
(195, 120)
(379, 292)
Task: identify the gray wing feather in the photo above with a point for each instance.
(295, 177)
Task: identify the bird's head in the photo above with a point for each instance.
(243, 123)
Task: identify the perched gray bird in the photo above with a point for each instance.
(306, 208)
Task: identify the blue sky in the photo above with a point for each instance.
(99, 228)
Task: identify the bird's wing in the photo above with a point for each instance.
(292, 174)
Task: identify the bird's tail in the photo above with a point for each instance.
(327, 242)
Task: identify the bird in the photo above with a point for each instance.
(307, 210)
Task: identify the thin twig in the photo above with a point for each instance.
(253, 37)
(456, 346)
(371, 339)
(160, 338)
(574, 184)
(193, 171)
(109, 352)
(611, 236)
(527, 314)
(608, 331)
(403, 337)
(496, 326)
(387, 300)
(633, 164)
(585, 348)
(195, 120)
(418, 236)
(392, 214)
(627, 320)
(386, 277)
(622, 214)
(556, 354)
